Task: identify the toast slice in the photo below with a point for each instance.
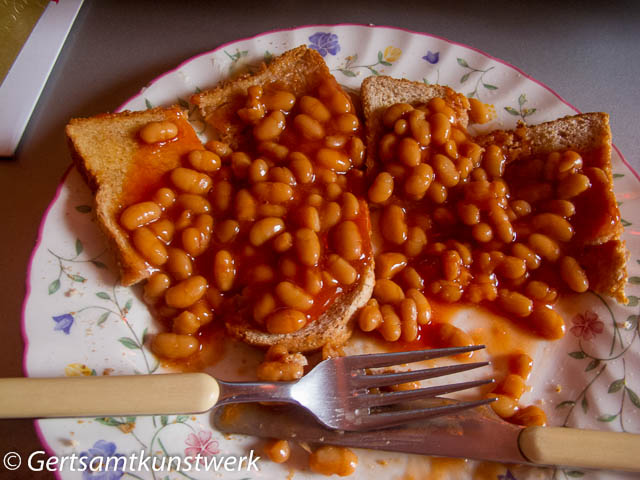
(602, 252)
(122, 170)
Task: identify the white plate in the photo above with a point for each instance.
(77, 321)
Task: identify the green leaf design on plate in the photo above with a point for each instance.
(618, 175)
(379, 56)
(98, 264)
(522, 99)
(108, 421)
(385, 63)
(54, 286)
(462, 62)
(182, 418)
(78, 278)
(593, 364)
(624, 222)
(616, 385)
(347, 73)
(374, 71)
(465, 77)
(103, 295)
(632, 321)
(633, 396)
(130, 419)
(83, 208)
(148, 104)
(633, 301)
(634, 280)
(268, 57)
(528, 111)
(574, 473)
(129, 343)
(512, 111)
(607, 418)
(103, 318)
(578, 355)
(79, 247)
(566, 403)
(488, 86)
(143, 337)
(128, 305)
(164, 420)
(585, 404)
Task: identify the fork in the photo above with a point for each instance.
(336, 392)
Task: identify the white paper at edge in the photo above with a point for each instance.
(23, 84)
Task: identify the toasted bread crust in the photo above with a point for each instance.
(104, 149)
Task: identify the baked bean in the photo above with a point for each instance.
(521, 364)
(140, 214)
(564, 208)
(387, 291)
(411, 278)
(382, 188)
(440, 128)
(445, 170)
(157, 284)
(186, 323)
(514, 303)
(202, 312)
(451, 150)
(195, 203)
(422, 305)
(408, 152)
(447, 335)
(179, 264)
(240, 164)
(194, 241)
(544, 246)
(482, 232)
(149, 246)
(573, 274)
(309, 127)
(370, 316)
(227, 230)
(444, 217)
(387, 147)
(258, 170)
(547, 323)
(334, 160)
(478, 174)
(504, 406)
(356, 151)
(333, 191)
(224, 270)
(521, 208)
(350, 206)
(283, 175)
(451, 264)
(221, 195)
(420, 128)
(264, 230)
(283, 242)
(313, 281)
(520, 250)
(465, 167)
(347, 241)
(270, 127)
(326, 176)
(571, 162)
(214, 297)
(293, 296)
(190, 181)
(184, 220)
(573, 185)
(537, 290)
(512, 267)
(395, 112)
(154, 132)
(438, 104)
(447, 291)
(468, 213)
(301, 166)
(437, 192)
(174, 346)
(278, 451)
(418, 182)
(273, 150)
(553, 225)
(341, 270)
(272, 192)
(279, 100)
(314, 108)
(330, 460)
(395, 225)
(330, 215)
(285, 321)
(531, 416)
(400, 127)
(315, 200)
(391, 327)
(338, 102)
(262, 273)
(187, 292)
(346, 123)
(307, 246)
(164, 197)
(513, 386)
(263, 307)
(220, 148)
(494, 161)
(416, 241)
(269, 210)
(409, 317)
(204, 161)
(388, 264)
(288, 267)
(204, 223)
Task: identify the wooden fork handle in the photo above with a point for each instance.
(107, 395)
(581, 448)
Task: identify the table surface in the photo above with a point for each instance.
(587, 53)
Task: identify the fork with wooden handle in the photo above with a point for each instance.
(335, 392)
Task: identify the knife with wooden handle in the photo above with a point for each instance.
(475, 434)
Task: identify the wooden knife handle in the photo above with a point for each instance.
(581, 448)
(107, 396)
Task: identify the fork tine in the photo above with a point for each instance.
(389, 419)
(387, 359)
(377, 400)
(384, 379)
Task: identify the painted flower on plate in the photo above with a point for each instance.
(201, 443)
(587, 325)
(77, 370)
(432, 57)
(102, 462)
(324, 42)
(63, 322)
(391, 54)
